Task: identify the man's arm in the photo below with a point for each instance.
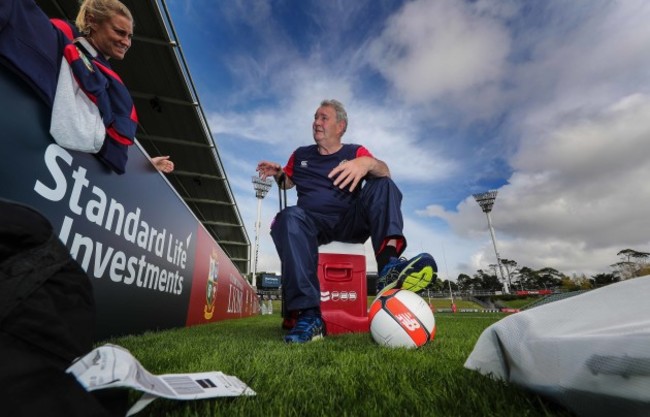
(284, 181)
(378, 168)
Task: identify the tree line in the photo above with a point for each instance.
(633, 263)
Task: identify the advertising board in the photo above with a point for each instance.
(152, 264)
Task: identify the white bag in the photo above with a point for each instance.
(76, 121)
(590, 352)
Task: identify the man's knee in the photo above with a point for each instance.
(381, 187)
(287, 216)
(381, 183)
(287, 219)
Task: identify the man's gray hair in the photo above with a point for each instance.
(341, 114)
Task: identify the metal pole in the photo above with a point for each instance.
(261, 188)
(257, 242)
(486, 201)
(444, 256)
(496, 252)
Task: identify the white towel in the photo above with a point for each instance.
(76, 121)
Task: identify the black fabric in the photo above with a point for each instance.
(47, 317)
(384, 256)
(20, 230)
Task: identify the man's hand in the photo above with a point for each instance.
(163, 164)
(348, 174)
(267, 169)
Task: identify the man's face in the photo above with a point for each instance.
(112, 38)
(325, 128)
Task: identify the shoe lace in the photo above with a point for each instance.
(392, 273)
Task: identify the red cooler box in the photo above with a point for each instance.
(343, 288)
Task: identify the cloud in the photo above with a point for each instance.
(591, 176)
(577, 126)
(432, 49)
(579, 194)
(584, 57)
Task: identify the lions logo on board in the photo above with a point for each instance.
(211, 286)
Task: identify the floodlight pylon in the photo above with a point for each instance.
(486, 201)
(261, 187)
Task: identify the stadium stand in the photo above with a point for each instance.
(553, 297)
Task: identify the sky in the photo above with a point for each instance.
(548, 103)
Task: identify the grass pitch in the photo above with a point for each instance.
(342, 375)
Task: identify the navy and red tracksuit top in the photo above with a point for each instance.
(33, 46)
(308, 170)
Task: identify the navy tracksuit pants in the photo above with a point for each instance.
(297, 234)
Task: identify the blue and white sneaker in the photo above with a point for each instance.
(308, 327)
(413, 274)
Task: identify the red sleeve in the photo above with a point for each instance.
(362, 151)
(288, 169)
(63, 27)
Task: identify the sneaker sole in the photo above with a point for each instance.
(417, 281)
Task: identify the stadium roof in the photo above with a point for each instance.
(172, 120)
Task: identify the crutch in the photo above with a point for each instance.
(282, 198)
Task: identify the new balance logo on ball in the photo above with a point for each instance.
(407, 321)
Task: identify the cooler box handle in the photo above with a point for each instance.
(338, 271)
